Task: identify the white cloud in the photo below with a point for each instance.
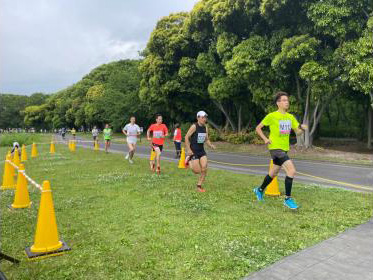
(48, 45)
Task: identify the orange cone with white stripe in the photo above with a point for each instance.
(272, 189)
(21, 198)
(46, 240)
(23, 153)
(8, 178)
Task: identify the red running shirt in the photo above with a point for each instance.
(159, 132)
(177, 134)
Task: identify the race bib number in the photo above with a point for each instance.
(157, 134)
(285, 126)
(201, 137)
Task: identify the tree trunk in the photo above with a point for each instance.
(239, 117)
(300, 99)
(306, 121)
(370, 127)
(221, 108)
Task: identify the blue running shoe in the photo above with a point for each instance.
(259, 194)
(290, 203)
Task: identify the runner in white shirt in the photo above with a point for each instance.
(94, 135)
(131, 130)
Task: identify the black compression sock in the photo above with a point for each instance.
(267, 180)
(288, 185)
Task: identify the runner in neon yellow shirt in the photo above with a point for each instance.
(280, 125)
(107, 137)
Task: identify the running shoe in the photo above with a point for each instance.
(127, 156)
(201, 189)
(130, 161)
(158, 171)
(290, 203)
(259, 194)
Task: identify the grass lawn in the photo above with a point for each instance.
(123, 222)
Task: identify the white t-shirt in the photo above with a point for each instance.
(132, 131)
(95, 132)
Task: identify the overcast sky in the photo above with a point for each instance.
(47, 45)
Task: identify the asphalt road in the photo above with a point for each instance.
(355, 177)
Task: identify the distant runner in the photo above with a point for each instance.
(94, 135)
(73, 133)
(280, 124)
(131, 130)
(177, 140)
(107, 137)
(159, 131)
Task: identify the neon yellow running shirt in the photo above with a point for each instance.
(107, 133)
(280, 126)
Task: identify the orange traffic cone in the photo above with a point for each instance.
(272, 189)
(16, 160)
(8, 178)
(152, 155)
(52, 149)
(21, 198)
(97, 147)
(73, 146)
(182, 159)
(12, 169)
(23, 153)
(46, 242)
(34, 151)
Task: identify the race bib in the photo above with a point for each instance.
(157, 134)
(285, 126)
(201, 137)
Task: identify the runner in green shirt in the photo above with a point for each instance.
(107, 137)
(280, 125)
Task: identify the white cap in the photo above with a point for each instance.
(201, 114)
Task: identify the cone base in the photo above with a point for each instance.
(181, 167)
(273, 194)
(34, 256)
(13, 206)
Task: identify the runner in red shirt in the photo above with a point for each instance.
(159, 131)
(177, 140)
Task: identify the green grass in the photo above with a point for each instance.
(124, 223)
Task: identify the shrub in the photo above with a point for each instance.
(6, 140)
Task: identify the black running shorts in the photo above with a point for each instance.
(198, 155)
(279, 156)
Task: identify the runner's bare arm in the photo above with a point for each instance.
(148, 135)
(191, 130)
(124, 132)
(300, 130)
(259, 131)
(208, 142)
